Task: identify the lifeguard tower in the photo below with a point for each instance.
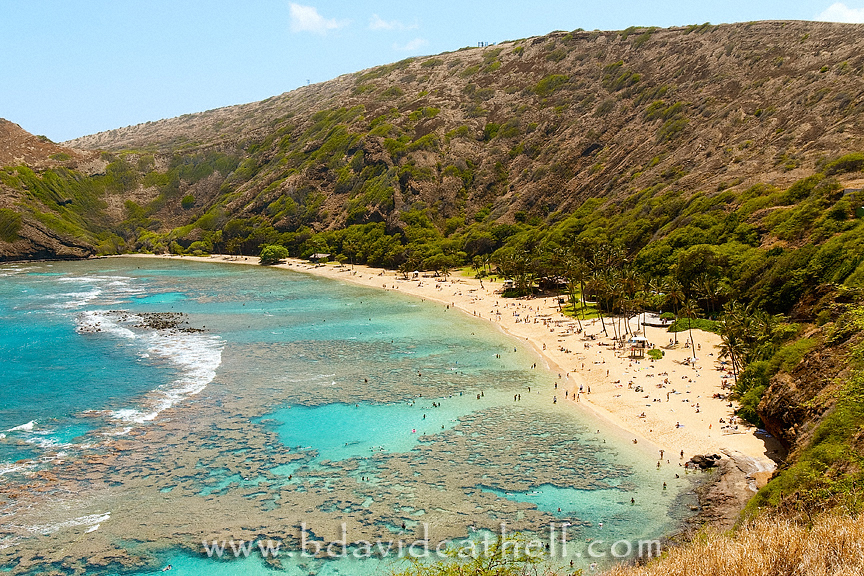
(637, 346)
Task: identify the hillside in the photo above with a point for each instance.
(29, 227)
(544, 123)
(17, 146)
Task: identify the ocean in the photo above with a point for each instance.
(156, 412)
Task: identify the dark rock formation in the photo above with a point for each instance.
(38, 242)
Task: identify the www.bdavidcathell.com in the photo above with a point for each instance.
(556, 543)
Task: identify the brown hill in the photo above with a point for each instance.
(17, 146)
(541, 124)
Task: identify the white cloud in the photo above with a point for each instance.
(378, 23)
(307, 19)
(411, 46)
(839, 12)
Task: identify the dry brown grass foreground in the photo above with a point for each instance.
(832, 546)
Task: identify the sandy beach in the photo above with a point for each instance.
(678, 407)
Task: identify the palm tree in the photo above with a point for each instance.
(675, 293)
(733, 327)
(691, 310)
(708, 286)
(574, 269)
(597, 286)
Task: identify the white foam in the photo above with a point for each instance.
(104, 321)
(76, 299)
(90, 520)
(8, 467)
(26, 427)
(111, 289)
(8, 541)
(14, 270)
(197, 355)
(49, 443)
(121, 432)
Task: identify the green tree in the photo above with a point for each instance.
(272, 254)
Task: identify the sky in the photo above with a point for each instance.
(76, 67)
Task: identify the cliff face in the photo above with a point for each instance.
(38, 242)
(816, 408)
(798, 399)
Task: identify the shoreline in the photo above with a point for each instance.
(667, 405)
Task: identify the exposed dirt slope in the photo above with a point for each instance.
(17, 146)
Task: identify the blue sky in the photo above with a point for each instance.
(76, 67)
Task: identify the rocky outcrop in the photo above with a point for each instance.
(703, 461)
(798, 397)
(730, 481)
(38, 242)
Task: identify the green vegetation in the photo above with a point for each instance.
(848, 163)
(63, 200)
(515, 555)
(272, 254)
(829, 470)
(550, 84)
(10, 224)
(617, 77)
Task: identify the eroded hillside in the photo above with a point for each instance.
(538, 125)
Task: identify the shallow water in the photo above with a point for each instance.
(282, 400)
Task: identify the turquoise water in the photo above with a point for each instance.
(279, 399)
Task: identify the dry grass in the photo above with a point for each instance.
(833, 546)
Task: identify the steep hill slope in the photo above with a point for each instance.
(29, 227)
(539, 125)
(17, 146)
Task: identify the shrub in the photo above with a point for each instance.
(550, 84)
(470, 71)
(490, 131)
(616, 77)
(848, 163)
(272, 254)
(391, 93)
(556, 55)
(188, 202)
